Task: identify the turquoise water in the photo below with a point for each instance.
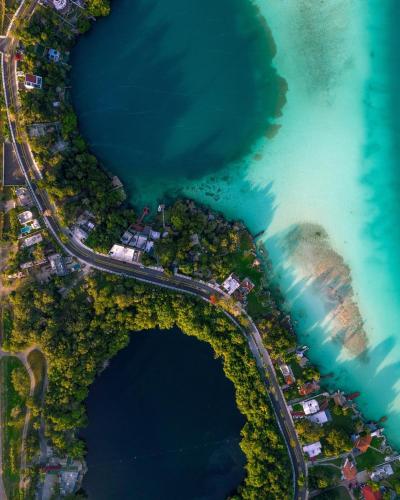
(163, 424)
(175, 103)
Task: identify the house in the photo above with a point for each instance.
(53, 55)
(231, 284)
(246, 286)
(349, 470)
(25, 217)
(369, 494)
(313, 449)
(126, 237)
(320, 418)
(311, 406)
(362, 443)
(287, 374)
(308, 388)
(33, 81)
(57, 264)
(382, 472)
(24, 197)
(60, 5)
(80, 234)
(125, 254)
(32, 240)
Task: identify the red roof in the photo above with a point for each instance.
(308, 388)
(369, 494)
(349, 470)
(31, 78)
(363, 443)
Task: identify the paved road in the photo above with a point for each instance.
(148, 275)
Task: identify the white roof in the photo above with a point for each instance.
(231, 284)
(25, 216)
(32, 240)
(382, 471)
(313, 449)
(319, 418)
(125, 254)
(311, 406)
(60, 4)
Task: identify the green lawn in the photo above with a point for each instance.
(344, 421)
(13, 414)
(369, 459)
(339, 493)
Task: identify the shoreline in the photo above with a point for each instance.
(253, 240)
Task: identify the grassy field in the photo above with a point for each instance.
(369, 459)
(13, 414)
(38, 365)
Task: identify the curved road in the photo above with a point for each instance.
(148, 275)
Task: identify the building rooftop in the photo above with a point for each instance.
(313, 449)
(320, 418)
(24, 217)
(231, 284)
(33, 81)
(32, 240)
(363, 442)
(125, 254)
(349, 470)
(311, 406)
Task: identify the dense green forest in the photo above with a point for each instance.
(80, 332)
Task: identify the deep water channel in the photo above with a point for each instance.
(163, 423)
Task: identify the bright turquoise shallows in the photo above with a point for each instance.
(180, 97)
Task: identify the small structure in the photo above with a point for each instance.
(57, 264)
(25, 217)
(32, 240)
(125, 254)
(80, 234)
(369, 494)
(33, 81)
(308, 388)
(53, 55)
(313, 449)
(320, 418)
(246, 286)
(382, 472)
(311, 406)
(287, 374)
(24, 197)
(362, 443)
(349, 470)
(231, 284)
(68, 480)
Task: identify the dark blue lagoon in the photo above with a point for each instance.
(163, 424)
(176, 89)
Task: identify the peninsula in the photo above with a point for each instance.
(82, 270)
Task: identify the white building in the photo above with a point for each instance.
(313, 449)
(33, 82)
(125, 254)
(319, 418)
(231, 284)
(382, 472)
(311, 406)
(32, 240)
(25, 217)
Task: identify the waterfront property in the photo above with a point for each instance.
(33, 81)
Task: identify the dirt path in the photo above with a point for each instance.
(23, 357)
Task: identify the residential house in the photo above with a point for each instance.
(310, 407)
(382, 472)
(24, 197)
(25, 217)
(32, 240)
(320, 418)
(125, 254)
(349, 470)
(53, 55)
(313, 449)
(308, 388)
(369, 494)
(362, 443)
(231, 284)
(33, 81)
(287, 374)
(57, 264)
